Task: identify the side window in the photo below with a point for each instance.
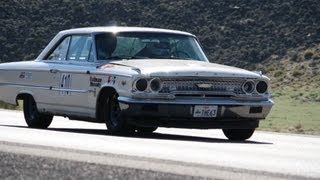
(80, 48)
(61, 50)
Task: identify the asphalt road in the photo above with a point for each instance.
(79, 150)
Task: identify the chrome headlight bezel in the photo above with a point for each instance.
(140, 84)
(148, 85)
(155, 85)
(263, 89)
(252, 85)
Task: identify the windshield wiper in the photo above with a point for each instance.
(126, 57)
(176, 57)
(138, 57)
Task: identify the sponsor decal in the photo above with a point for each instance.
(95, 82)
(26, 75)
(111, 79)
(65, 83)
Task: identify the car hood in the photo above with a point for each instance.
(161, 67)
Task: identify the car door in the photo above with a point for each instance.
(71, 74)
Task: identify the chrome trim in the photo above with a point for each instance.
(54, 104)
(201, 78)
(54, 71)
(23, 86)
(204, 93)
(253, 87)
(91, 71)
(202, 85)
(109, 74)
(45, 88)
(187, 86)
(160, 84)
(258, 83)
(153, 96)
(135, 84)
(27, 69)
(128, 100)
(71, 90)
(166, 96)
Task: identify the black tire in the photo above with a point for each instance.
(238, 134)
(146, 130)
(116, 123)
(33, 118)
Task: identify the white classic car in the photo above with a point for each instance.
(135, 79)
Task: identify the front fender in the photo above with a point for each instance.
(122, 85)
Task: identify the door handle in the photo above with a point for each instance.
(54, 70)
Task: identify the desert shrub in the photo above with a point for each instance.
(315, 72)
(295, 57)
(278, 73)
(313, 96)
(316, 56)
(277, 94)
(313, 63)
(308, 54)
(296, 96)
(297, 73)
(270, 68)
(302, 67)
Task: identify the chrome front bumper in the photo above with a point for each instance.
(183, 108)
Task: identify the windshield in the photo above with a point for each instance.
(142, 45)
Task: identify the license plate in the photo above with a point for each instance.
(205, 111)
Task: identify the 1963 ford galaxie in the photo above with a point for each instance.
(135, 79)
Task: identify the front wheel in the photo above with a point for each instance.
(33, 117)
(238, 134)
(116, 124)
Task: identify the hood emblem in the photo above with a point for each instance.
(204, 86)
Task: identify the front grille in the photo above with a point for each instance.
(208, 87)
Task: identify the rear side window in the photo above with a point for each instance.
(73, 48)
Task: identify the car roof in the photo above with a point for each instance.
(116, 29)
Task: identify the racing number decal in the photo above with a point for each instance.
(65, 83)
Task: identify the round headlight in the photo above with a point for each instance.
(141, 84)
(155, 85)
(262, 87)
(248, 87)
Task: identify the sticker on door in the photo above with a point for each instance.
(65, 83)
